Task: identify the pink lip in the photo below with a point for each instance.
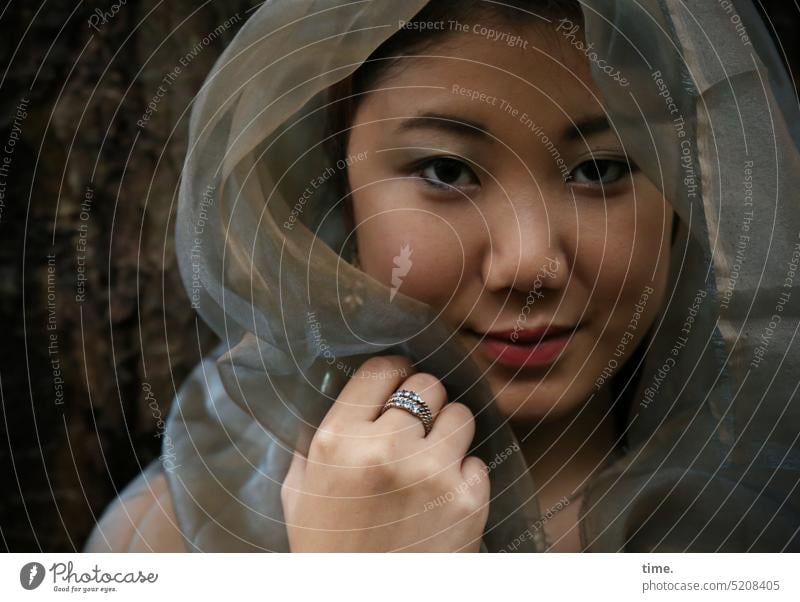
(526, 347)
(519, 336)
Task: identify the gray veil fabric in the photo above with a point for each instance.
(712, 459)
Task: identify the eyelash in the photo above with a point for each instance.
(432, 161)
(626, 169)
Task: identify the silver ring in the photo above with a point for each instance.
(411, 402)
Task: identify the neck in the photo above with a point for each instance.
(562, 452)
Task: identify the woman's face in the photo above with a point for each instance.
(490, 186)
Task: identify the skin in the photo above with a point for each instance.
(482, 232)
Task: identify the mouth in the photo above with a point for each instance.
(529, 347)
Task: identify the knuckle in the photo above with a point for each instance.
(285, 491)
(380, 362)
(461, 411)
(468, 503)
(384, 366)
(378, 469)
(423, 468)
(426, 383)
(288, 496)
(324, 444)
(480, 480)
(378, 454)
(432, 466)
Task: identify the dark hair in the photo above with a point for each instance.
(344, 98)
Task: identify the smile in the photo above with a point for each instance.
(538, 347)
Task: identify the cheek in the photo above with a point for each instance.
(631, 259)
(407, 245)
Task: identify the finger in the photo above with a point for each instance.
(452, 432)
(293, 482)
(432, 392)
(364, 394)
(476, 478)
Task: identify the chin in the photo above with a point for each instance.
(524, 406)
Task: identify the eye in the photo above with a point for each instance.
(600, 172)
(447, 173)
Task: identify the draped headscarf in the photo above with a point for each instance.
(711, 462)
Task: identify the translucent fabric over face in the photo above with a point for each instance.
(712, 459)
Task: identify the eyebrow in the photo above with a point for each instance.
(449, 124)
(465, 128)
(586, 128)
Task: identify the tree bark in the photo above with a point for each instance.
(99, 331)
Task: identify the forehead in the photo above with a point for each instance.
(536, 70)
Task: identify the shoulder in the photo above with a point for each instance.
(140, 519)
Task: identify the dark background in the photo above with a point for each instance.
(124, 349)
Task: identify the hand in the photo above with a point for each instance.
(376, 483)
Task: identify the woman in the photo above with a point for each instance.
(545, 245)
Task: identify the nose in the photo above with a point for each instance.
(524, 248)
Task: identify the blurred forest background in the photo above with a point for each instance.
(99, 331)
